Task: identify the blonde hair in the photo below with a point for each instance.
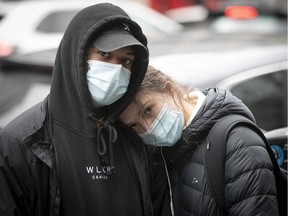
(157, 81)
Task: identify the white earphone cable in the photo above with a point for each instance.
(169, 184)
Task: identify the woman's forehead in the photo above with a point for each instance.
(148, 96)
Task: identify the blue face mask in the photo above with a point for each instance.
(166, 129)
(106, 82)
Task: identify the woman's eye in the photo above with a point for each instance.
(132, 125)
(148, 110)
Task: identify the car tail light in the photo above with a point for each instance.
(241, 12)
(6, 49)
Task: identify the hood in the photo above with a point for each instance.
(218, 103)
(70, 101)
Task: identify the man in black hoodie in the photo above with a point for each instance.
(68, 155)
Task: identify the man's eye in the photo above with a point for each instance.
(127, 61)
(103, 54)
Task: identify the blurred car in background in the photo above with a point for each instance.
(223, 24)
(260, 79)
(20, 90)
(41, 61)
(6, 6)
(207, 68)
(264, 90)
(246, 8)
(39, 25)
(165, 36)
(191, 11)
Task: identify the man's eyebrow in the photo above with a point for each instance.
(132, 53)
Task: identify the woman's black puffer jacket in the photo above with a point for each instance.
(250, 185)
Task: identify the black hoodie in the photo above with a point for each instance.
(93, 184)
(70, 161)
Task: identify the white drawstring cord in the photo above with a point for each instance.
(169, 183)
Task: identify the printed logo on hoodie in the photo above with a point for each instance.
(98, 172)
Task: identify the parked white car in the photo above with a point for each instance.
(207, 68)
(39, 25)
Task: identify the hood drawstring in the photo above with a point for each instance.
(106, 133)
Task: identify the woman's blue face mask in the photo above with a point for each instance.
(166, 129)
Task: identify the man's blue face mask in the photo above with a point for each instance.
(106, 82)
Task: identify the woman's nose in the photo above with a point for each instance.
(146, 126)
(144, 129)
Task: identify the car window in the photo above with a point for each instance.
(56, 22)
(267, 98)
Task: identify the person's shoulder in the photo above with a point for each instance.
(246, 151)
(245, 137)
(25, 124)
(244, 142)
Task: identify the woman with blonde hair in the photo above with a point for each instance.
(176, 125)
